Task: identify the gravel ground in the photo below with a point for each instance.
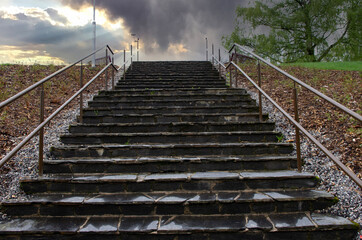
(26, 160)
(332, 180)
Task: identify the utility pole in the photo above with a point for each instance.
(94, 33)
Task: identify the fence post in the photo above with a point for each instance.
(41, 132)
(81, 94)
(106, 87)
(260, 99)
(297, 135)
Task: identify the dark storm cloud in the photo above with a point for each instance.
(170, 21)
(55, 16)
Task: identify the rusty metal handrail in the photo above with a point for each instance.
(353, 176)
(37, 84)
(296, 80)
(40, 128)
(35, 131)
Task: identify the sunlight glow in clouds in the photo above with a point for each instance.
(21, 56)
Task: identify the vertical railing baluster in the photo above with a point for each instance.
(113, 72)
(81, 94)
(297, 135)
(212, 51)
(106, 87)
(260, 99)
(219, 64)
(124, 64)
(131, 57)
(41, 131)
(236, 71)
(207, 50)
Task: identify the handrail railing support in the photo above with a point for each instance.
(260, 98)
(112, 73)
(207, 50)
(219, 64)
(41, 132)
(212, 51)
(81, 95)
(230, 77)
(106, 87)
(131, 57)
(124, 64)
(297, 134)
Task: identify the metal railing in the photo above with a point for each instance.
(295, 121)
(109, 63)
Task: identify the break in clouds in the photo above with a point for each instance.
(161, 23)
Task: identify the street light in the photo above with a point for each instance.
(94, 33)
(137, 41)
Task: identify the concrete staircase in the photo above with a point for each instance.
(172, 154)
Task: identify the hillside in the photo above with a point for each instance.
(338, 132)
(22, 116)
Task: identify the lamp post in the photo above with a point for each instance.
(138, 51)
(94, 33)
(137, 41)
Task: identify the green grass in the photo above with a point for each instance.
(346, 66)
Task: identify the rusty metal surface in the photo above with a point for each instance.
(41, 126)
(326, 98)
(335, 159)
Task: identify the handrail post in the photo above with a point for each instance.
(41, 131)
(297, 135)
(113, 72)
(260, 99)
(230, 77)
(236, 76)
(131, 57)
(138, 50)
(219, 64)
(81, 95)
(106, 87)
(212, 56)
(207, 50)
(124, 64)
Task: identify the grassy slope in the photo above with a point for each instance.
(346, 66)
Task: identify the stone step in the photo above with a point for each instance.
(169, 203)
(166, 83)
(139, 150)
(170, 164)
(168, 137)
(171, 127)
(176, 118)
(165, 103)
(274, 226)
(175, 92)
(170, 109)
(175, 182)
(164, 86)
(160, 96)
(173, 76)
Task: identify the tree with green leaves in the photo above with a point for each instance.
(300, 30)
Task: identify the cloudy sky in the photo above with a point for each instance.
(61, 30)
